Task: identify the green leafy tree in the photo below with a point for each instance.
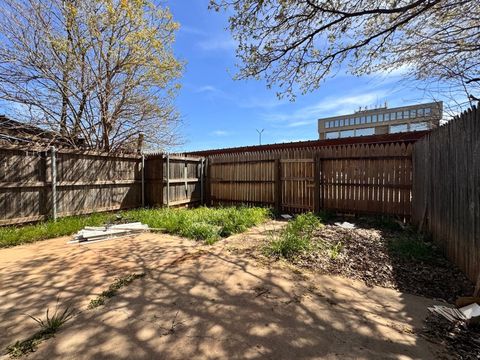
(296, 44)
(99, 73)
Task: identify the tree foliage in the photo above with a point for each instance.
(98, 72)
(299, 43)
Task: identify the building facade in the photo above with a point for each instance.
(382, 121)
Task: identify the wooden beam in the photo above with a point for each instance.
(182, 180)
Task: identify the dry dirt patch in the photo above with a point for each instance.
(206, 302)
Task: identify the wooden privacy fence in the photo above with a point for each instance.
(36, 184)
(447, 189)
(374, 179)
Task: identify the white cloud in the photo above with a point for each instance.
(217, 43)
(329, 106)
(206, 89)
(395, 72)
(192, 30)
(220, 133)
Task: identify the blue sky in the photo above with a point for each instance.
(220, 112)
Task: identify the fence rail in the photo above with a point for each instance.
(447, 189)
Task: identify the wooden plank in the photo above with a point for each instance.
(182, 180)
(278, 185)
(22, 184)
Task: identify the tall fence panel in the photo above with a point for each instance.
(246, 181)
(24, 195)
(367, 179)
(33, 188)
(89, 182)
(447, 189)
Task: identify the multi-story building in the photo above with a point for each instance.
(382, 121)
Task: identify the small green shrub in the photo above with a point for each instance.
(335, 250)
(295, 238)
(201, 231)
(412, 248)
(48, 327)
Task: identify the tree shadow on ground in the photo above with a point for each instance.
(200, 302)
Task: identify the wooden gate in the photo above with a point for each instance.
(174, 180)
(297, 185)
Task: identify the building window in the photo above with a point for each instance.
(399, 115)
(340, 122)
(364, 132)
(347, 133)
(386, 117)
(352, 121)
(420, 112)
(362, 120)
(428, 111)
(369, 119)
(336, 123)
(419, 126)
(331, 135)
(327, 124)
(393, 116)
(406, 114)
(398, 128)
(374, 118)
(413, 114)
(357, 121)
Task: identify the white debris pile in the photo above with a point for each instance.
(469, 313)
(345, 225)
(98, 233)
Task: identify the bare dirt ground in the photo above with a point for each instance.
(202, 302)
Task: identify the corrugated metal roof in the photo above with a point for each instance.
(408, 137)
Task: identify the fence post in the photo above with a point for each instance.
(53, 169)
(143, 179)
(207, 185)
(168, 180)
(316, 178)
(202, 188)
(278, 185)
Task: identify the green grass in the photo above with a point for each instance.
(48, 327)
(207, 224)
(295, 238)
(113, 289)
(16, 235)
(412, 247)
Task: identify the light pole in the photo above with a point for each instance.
(260, 135)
